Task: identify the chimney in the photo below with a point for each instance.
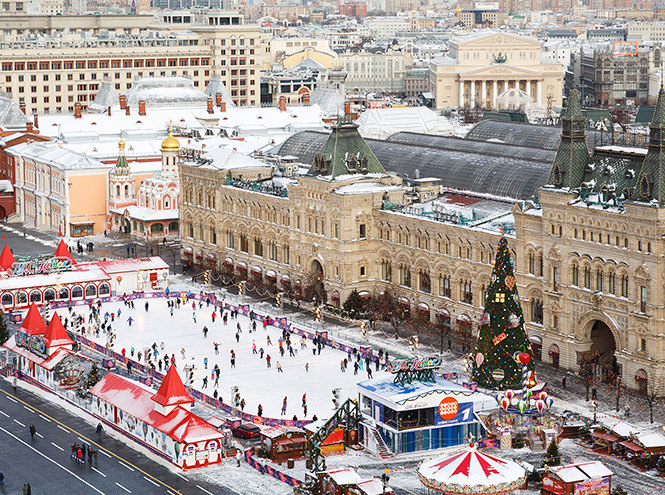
(222, 107)
(127, 112)
(22, 106)
(29, 126)
(347, 108)
(282, 103)
(218, 99)
(123, 102)
(35, 119)
(141, 107)
(305, 99)
(109, 111)
(210, 107)
(77, 110)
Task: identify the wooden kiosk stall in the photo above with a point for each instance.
(584, 478)
(281, 443)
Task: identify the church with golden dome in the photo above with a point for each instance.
(152, 212)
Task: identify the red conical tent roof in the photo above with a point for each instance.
(56, 335)
(33, 324)
(172, 391)
(6, 258)
(63, 252)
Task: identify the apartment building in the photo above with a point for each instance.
(51, 75)
(375, 69)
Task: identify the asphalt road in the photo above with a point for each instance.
(45, 460)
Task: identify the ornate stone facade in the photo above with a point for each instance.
(585, 253)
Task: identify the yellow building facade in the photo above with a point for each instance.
(479, 67)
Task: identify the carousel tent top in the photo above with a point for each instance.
(470, 471)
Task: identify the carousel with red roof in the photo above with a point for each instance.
(469, 471)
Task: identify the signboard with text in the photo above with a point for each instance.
(37, 267)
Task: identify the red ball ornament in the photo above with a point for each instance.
(524, 358)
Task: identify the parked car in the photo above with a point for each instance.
(246, 430)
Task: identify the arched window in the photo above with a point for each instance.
(575, 275)
(49, 295)
(611, 283)
(444, 286)
(624, 285)
(587, 277)
(174, 227)
(7, 300)
(126, 191)
(537, 310)
(104, 289)
(466, 294)
(117, 190)
(22, 298)
(91, 291)
(77, 292)
(425, 284)
(35, 296)
(63, 293)
(157, 228)
(599, 279)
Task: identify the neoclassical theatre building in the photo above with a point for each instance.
(587, 249)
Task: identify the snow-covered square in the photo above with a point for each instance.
(304, 373)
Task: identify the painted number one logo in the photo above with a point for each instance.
(448, 408)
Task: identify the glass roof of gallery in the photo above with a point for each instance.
(486, 168)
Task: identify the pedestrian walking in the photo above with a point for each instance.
(563, 381)
(237, 337)
(260, 411)
(26, 489)
(242, 405)
(284, 404)
(205, 382)
(205, 363)
(146, 306)
(238, 457)
(304, 399)
(33, 430)
(594, 393)
(216, 348)
(14, 384)
(74, 449)
(268, 360)
(194, 316)
(182, 353)
(627, 415)
(100, 428)
(355, 368)
(205, 332)
(214, 315)
(79, 455)
(279, 368)
(306, 367)
(369, 373)
(2, 479)
(254, 347)
(130, 319)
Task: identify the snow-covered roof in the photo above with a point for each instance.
(136, 399)
(48, 363)
(215, 87)
(574, 473)
(228, 158)
(78, 276)
(279, 430)
(53, 154)
(366, 187)
(165, 92)
(379, 123)
(651, 440)
(11, 116)
(398, 395)
(624, 429)
(344, 476)
(113, 267)
(146, 214)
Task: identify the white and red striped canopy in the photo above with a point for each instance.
(470, 471)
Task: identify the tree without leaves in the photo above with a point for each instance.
(654, 396)
(313, 287)
(616, 386)
(391, 310)
(4, 331)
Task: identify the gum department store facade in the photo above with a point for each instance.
(587, 255)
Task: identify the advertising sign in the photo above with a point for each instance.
(594, 486)
(451, 412)
(414, 364)
(35, 267)
(624, 48)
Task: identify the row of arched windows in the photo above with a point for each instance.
(21, 298)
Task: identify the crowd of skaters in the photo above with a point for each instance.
(157, 357)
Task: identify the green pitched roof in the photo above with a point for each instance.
(345, 152)
(572, 156)
(651, 179)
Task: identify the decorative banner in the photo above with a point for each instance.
(498, 374)
(448, 408)
(35, 267)
(510, 282)
(484, 319)
(595, 486)
(34, 343)
(413, 364)
(499, 338)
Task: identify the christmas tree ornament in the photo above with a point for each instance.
(514, 321)
(510, 281)
(479, 359)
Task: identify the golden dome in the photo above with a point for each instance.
(170, 143)
(121, 144)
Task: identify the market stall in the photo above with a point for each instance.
(584, 478)
(282, 442)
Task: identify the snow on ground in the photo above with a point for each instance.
(258, 384)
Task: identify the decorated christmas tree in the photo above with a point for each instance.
(501, 332)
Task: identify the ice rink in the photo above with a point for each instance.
(257, 383)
